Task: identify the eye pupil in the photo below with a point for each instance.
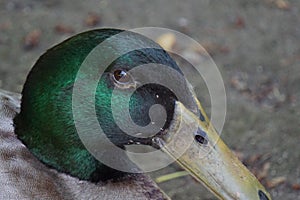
(121, 76)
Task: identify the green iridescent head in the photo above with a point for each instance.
(47, 126)
(45, 123)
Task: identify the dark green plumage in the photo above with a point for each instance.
(74, 83)
(46, 115)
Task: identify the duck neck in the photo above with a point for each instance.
(45, 124)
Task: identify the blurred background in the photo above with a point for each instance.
(255, 44)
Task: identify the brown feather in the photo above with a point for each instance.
(23, 176)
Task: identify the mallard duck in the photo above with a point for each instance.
(45, 155)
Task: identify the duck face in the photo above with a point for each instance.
(133, 90)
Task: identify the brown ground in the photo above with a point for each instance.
(254, 43)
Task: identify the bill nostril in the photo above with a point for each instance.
(201, 137)
(262, 195)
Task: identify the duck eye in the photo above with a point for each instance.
(121, 76)
(201, 137)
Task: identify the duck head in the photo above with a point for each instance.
(47, 124)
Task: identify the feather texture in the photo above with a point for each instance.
(23, 176)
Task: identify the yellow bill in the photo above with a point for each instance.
(197, 147)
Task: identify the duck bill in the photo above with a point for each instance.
(197, 147)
